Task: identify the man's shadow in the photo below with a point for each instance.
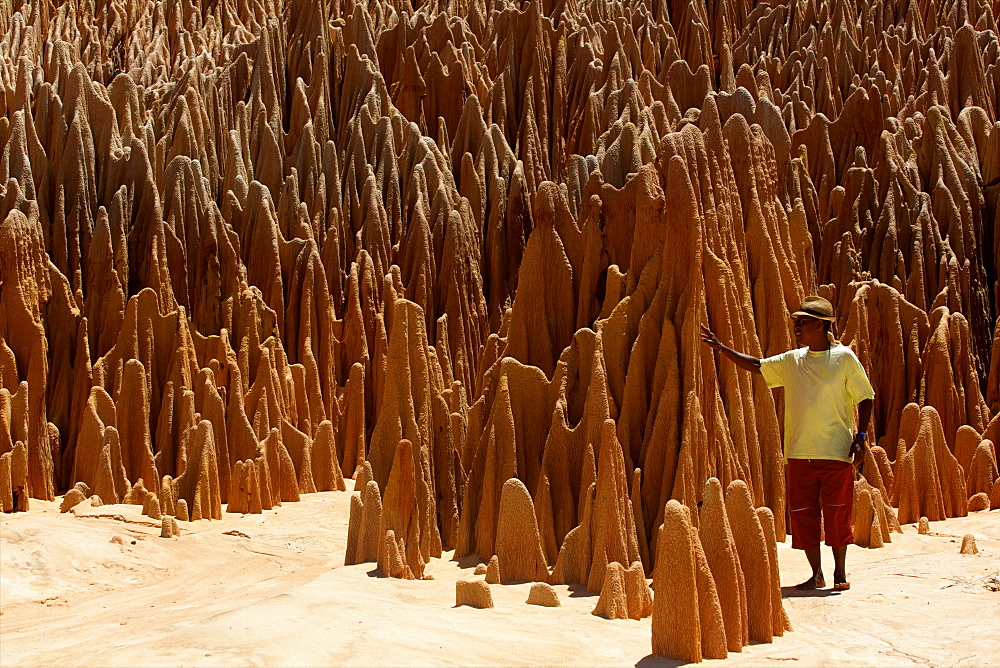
(791, 592)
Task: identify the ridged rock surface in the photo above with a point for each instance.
(247, 249)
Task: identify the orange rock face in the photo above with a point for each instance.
(461, 252)
(676, 612)
(929, 481)
(519, 551)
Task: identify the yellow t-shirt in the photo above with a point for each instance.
(821, 389)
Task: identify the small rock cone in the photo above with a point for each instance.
(676, 623)
(493, 570)
(473, 593)
(543, 594)
(71, 499)
(751, 545)
(518, 547)
(613, 603)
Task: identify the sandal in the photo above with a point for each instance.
(812, 583)
(841, 586)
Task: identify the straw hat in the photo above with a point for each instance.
(815, 306)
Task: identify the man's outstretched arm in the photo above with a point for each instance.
(743, 361)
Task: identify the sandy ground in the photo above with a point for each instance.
(107, 590)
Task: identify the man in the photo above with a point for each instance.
(823, 381)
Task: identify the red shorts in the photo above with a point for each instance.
(815, 484)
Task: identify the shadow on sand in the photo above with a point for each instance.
(650, 661)
(469, 561)
(791, 592)
(580, 591)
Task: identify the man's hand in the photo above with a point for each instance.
(709, 337)
(744, 361)
(858, 449)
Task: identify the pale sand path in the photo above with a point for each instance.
(70, 596)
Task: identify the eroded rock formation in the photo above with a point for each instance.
(461, 252)
(543, 594)
(474, 593)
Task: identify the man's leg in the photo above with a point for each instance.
(804, 505)
(816, 581)
(839, 564)
(838, 508)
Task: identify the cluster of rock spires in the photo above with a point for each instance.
(717, 586)
(460, 251)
